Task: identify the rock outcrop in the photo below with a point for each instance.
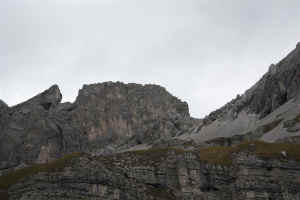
(105, 117)
(118, 112)
(27, 129)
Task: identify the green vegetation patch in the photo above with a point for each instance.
(14, 177)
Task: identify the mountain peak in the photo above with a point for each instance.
(273, 69)
(47, 99)
(3, 104)
(53, 94)
(50, 97)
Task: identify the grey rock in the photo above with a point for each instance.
(276, 87)
(104, 118)
(3, 105)
(275, 96)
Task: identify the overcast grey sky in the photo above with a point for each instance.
(203, 51)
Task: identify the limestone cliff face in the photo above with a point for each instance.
(27, 128)
(116, 111)
(103, 118)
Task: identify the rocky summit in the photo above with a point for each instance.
(121, 141)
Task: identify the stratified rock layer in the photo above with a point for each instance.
(166, 174)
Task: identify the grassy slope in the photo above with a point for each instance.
(14, 177)
(215, 155)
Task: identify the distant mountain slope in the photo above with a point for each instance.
(273, 97)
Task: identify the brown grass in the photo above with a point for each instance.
(224, 155)
(149, 157)
(14, 177)
(221, 155)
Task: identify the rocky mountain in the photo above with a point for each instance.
(104, 117)
(132, 142)
(273, 100)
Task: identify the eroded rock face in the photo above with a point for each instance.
(173, 175)
(27, 127)
(104, 115)
(117, 111)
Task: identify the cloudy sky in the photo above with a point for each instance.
(203, 51)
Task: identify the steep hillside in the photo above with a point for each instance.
(274, 98)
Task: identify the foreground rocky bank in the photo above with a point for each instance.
(251, 170)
